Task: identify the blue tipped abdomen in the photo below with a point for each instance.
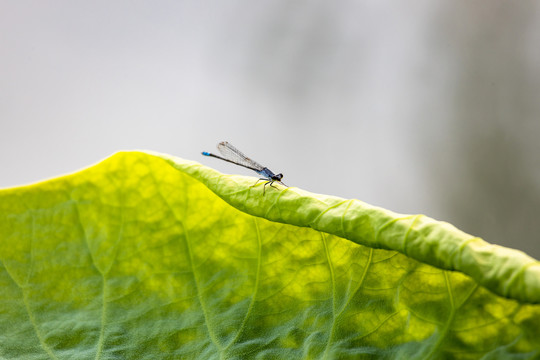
(206, 153)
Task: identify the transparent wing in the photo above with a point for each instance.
(231, 153)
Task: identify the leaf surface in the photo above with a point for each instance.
(148, 256)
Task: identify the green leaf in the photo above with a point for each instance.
(148, 256)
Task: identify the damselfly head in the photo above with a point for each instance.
(277, 177)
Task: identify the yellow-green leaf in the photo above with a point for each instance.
(148, 256)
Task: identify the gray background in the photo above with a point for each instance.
(417, 106)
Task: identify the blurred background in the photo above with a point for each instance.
(419, 107)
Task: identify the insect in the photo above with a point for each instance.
(233, 155)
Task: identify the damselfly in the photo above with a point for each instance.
(233, 155)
